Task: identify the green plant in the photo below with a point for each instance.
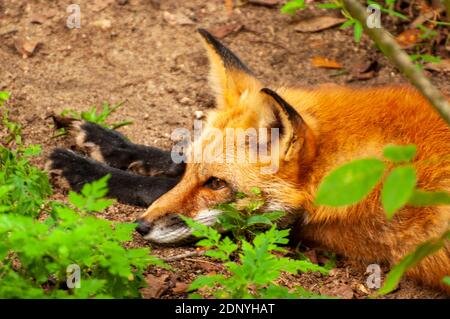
(13, 129)
(420, 59)
(247, 221)
(34, 255)
(446, 280)
(422, 251)
(352, 182)
(24, 187)
(95, 116)
(291, 7)
(254, 275)
(40, 240)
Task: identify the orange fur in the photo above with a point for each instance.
(340, 124)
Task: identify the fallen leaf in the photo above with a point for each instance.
(180, 287)
(26, 47)
(442, 66)
(315, 24)
(156, 286)
(222, 31)
(208, 266)
(364, 70)
(265, 3)
(322, 62)
(176, 19)
(408, 38)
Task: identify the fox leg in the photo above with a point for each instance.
(126, 187)
(114, 149)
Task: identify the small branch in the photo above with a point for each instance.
(196, 253)
(401, 60)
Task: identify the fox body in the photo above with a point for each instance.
(320, 129)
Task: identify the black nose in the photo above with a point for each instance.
(143, 227)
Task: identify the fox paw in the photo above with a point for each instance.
(93, 139)
(71, 170)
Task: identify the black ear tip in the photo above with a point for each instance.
(268, 92)
(205, 34)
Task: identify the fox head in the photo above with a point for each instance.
(229, 165)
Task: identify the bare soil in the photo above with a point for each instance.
(129, 52)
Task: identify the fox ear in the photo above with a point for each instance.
(229, 77)
(296, 137)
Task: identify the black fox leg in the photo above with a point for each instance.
(126, 187)
(112, 148)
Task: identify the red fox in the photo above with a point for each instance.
(320, 129)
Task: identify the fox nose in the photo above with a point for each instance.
(143, 227)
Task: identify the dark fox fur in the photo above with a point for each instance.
(139, 174)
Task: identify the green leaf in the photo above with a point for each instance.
(254, 205)
(32, 150)
(350, 183)
(430, 58)
(258, 219)
(398, 189)
(423, 198)
(422, 251)
(402, 153)
(446, 280)
(291, 7)
(4, 96)
(358, 30)
(256, 191)
(274, 215)
(347, 24)
(328, 6)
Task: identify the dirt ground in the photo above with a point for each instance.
(132, 51)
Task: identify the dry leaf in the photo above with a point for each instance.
(26, 47)
(318, 23)
(322, 62)
(156, 286)
(176, 19)
(442, 66)
(222, 31)
(408, 38)
(180, 287)
(265, 3)
(208, 266)
(364, 70)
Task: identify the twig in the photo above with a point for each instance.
(185, 255)
(401, 60)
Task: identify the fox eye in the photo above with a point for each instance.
(215, 183)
